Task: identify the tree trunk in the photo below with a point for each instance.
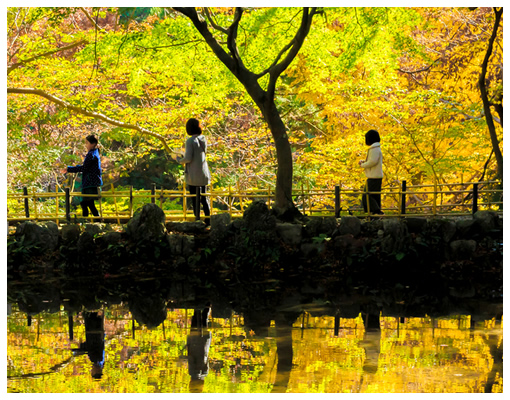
(284, 173)
(485, 98)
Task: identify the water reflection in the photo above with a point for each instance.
(94, 342)
(158, 335)
(191, 351)
(197, 344)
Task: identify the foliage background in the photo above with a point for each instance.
(410, 73)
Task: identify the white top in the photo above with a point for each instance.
(373, 163)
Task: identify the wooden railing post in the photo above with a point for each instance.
(197, 203)
(153, 193)
(27, 208)
(337, 201)
(131, 201)
(475, 198)
(403, 198)
(68, 204)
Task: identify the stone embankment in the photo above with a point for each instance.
(416, 261)
(448, 239)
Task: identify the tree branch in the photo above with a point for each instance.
(232, 36)
(202, 28)
(213, 23)
(82, 111)
(48, 53)
(295, 46)
(96, 26)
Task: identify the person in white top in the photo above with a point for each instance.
(374, 173)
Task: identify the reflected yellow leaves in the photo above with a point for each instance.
(415, 355)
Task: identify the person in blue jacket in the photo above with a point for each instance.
(91, 176)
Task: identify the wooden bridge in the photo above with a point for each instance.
(117, 206)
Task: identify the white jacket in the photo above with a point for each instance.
(373, 163)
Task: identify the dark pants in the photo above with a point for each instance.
(373, 185)
(203, 200)
(88, 202)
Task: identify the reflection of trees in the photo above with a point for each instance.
(258, 322)
(497, 367)
(285, 354)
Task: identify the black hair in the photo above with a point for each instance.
(193, 127)
(92, 139)
(371, 137)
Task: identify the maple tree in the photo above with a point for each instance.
(134, 76)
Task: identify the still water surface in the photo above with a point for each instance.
(107, 351)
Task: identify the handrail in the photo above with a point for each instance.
(316, 201)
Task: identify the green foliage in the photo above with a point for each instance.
(353, 73)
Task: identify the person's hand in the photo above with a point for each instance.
(360, 162)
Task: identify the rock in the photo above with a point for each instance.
(316, 226)
(70, 233)
(43, 236)
(291, 234)
(462, 249)
(348, 244)
(147, 224)
(188, 245)
(181, 245)
(175, 243)
(194, 227)
(311, 249)
(85, 243)
(257, 217)
(396, 236)
(467, 228)
(110, 238)
(487, 220)
(93, 229)
(372, 227)
(443, 228)
(219, 222)
(416, 225)
(349, 225)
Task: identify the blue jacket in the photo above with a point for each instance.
(91, 170)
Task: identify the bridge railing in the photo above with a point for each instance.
(118, 206)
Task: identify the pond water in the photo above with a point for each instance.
(119, 348)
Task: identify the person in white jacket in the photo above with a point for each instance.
(196, 170)
(373, 171)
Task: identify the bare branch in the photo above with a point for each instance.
(213, 23)
(296, 44)
(82, 111)
(96, 26)
(48, 53)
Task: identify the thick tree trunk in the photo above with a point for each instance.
(284, 206)
(284, 174)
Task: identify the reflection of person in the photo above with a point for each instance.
(196, 169)
(91, 176)
(198, 343)
(373, 171)
(94, 342)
